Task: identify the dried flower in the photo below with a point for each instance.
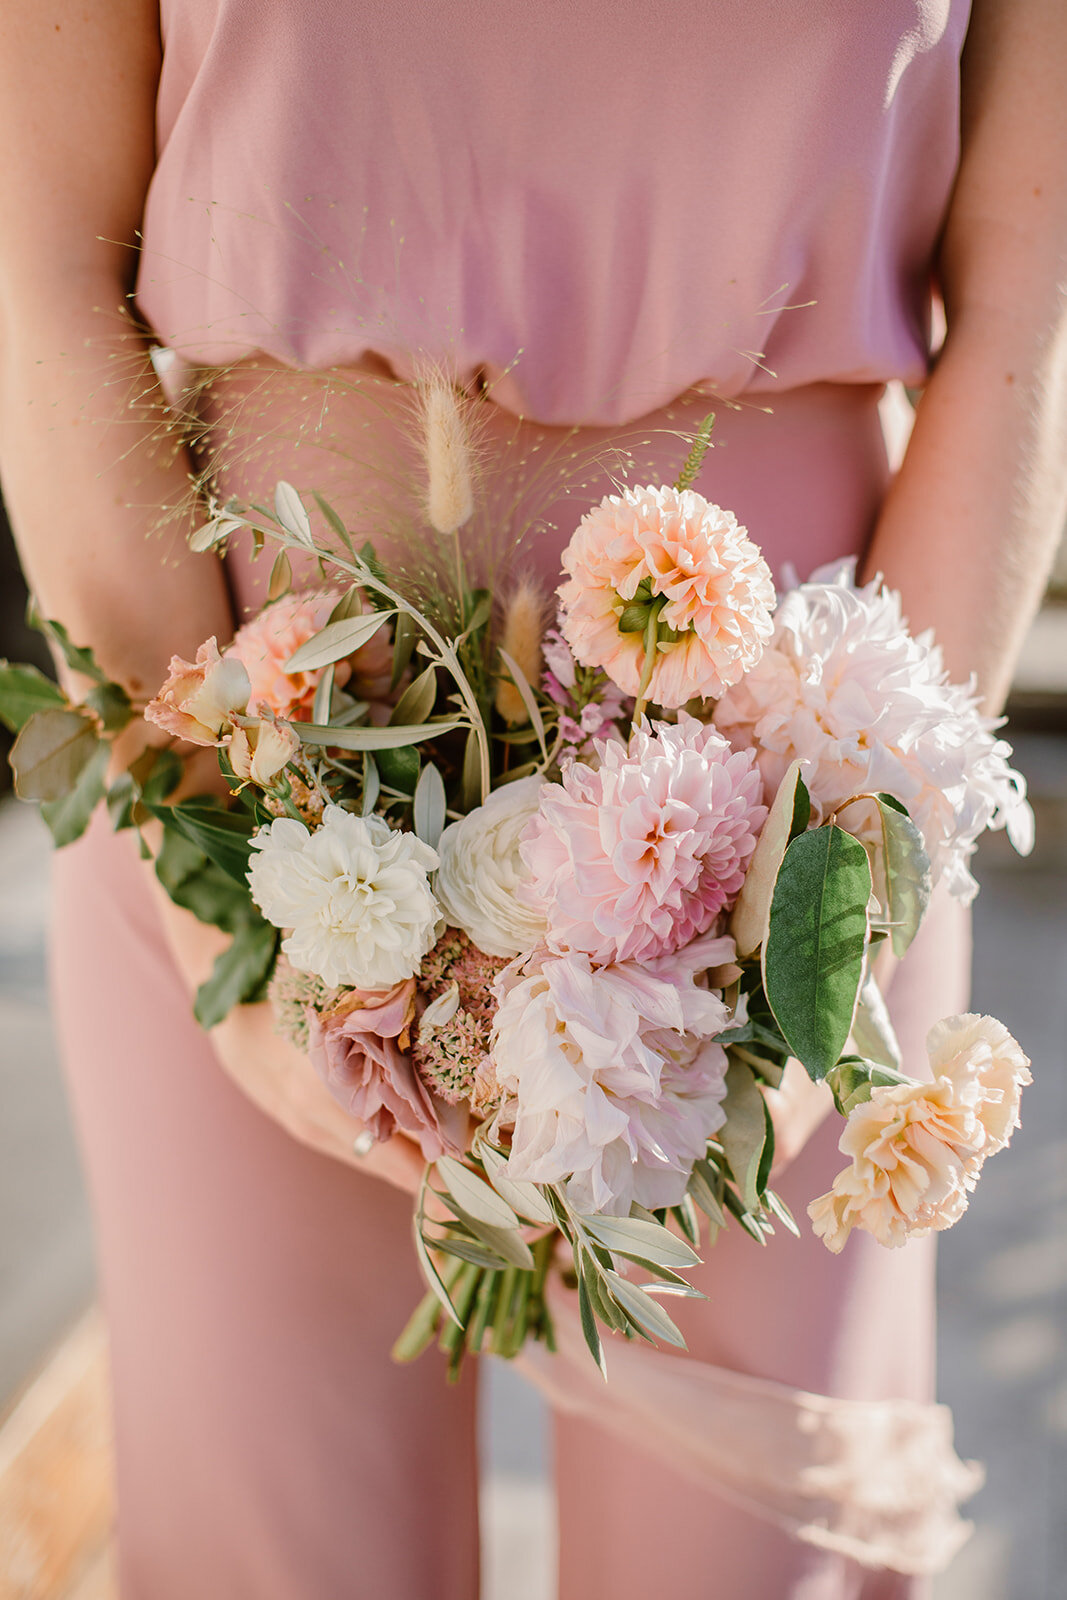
(524, 625)
(447, 453)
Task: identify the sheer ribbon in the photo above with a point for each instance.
(877, 1481)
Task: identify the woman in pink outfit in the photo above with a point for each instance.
(610, 218)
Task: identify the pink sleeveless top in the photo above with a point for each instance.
(598, 206)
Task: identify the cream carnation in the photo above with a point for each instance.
(354, 893)
(917, 1148)
(844, 687)
(481, 870)
(694, 564)
(611, 1077)
(638, 856)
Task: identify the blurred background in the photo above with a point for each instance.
(1003, 1275)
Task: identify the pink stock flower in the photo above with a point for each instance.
(200, 697)
(359, 1047)
(917, 1148)
(637, 857)
(714, 586)
(266, 643)
(611, 1078)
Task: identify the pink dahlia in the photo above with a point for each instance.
(265, 644)
(673, 554)
(637, 857)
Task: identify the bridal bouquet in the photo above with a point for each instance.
(557, 892)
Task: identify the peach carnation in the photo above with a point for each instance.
(917, 1148)
(637, 857)
(691, 564)
(266, 643)
(199, 698)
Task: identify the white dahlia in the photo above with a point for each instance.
(355, 895)
(844, 687)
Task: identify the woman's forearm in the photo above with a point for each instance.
(969, 530)
(97, 486)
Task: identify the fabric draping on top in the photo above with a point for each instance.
(594, 206)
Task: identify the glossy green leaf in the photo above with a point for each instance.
(78, 657)
(112, 705)
(193, 881)
(813, 955)
(400, 768)
(223, 835)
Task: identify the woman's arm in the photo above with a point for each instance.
(969, 530)
(81, 419)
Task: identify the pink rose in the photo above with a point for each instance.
(200, 697)
(359, 1049)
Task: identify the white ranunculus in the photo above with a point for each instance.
(355, 895)
(481, 871)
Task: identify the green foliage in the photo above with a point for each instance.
(195, 882)
(788, 817)
(52, 750)
(745, 1131)
(223, 834)
(23, 691)
(813, 956)
(904, 880)
(68, 817)
(112, 705)
(240, 973)
(78, 657)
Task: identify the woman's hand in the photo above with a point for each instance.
(274, 1075)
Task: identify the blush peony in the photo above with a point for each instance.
(611, 1078)
(638, 856)
(354, 893)
(844, 687)
(691, 562)
(265, 644)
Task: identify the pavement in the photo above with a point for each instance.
(1003, 1271)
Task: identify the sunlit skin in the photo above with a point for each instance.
(967, 532)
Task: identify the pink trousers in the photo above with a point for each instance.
(267, 1447)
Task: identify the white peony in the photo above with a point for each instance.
(612, 1080)
(355, 894)
(481, 871)
(844, 687)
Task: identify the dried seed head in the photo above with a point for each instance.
(525, 619)
(447, 452)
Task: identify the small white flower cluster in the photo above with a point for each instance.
(844, 687)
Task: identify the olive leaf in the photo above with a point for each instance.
(744, 1133)
(336, 641)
